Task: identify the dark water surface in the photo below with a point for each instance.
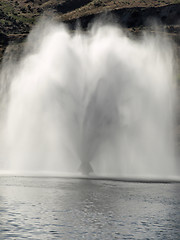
(55, 208)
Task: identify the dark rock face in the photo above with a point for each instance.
(4, 39)
(137, 17)
(71, 5)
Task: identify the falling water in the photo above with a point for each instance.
(96, 102)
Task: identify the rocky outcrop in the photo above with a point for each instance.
(137, 17)
(4, 39)
(70, 5)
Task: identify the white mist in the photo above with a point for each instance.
(99, 98)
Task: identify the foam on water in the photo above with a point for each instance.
(89, 101)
